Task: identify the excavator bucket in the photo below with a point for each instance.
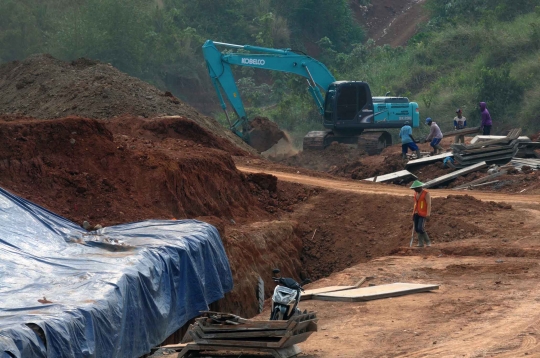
(264, 134)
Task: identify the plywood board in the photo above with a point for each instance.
(427, 160)
(454, 174)
(392, 176)
(308, 295)
(375, 292)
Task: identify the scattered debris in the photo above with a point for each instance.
(480, 181)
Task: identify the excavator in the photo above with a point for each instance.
(349, 113)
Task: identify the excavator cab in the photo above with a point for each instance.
(348, 107)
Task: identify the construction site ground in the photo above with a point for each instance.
(484, 256)
(311, 219)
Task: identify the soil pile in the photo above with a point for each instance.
(327, 160)
(453, 218)
(264, 133)
(164, 131)
(369, 167)
(347, 229)
(78, 168)
(44, 87)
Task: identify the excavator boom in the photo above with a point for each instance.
(283, 60)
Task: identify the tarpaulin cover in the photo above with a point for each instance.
(117, 292)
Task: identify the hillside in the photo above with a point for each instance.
(391, 22)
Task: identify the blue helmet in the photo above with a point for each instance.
(428, 120)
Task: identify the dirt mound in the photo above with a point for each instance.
(369, 167)
(454, 216)
(44, 87)
(326, 160)
(346, 229)
(79, 169)
(264, 133)
(170, 128)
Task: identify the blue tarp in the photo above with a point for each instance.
(116, 292)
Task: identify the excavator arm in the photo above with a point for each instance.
(283, 60)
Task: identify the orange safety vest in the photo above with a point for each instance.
(420, 204)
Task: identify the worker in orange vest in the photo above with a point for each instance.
(421, 212)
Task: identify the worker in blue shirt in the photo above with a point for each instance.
(407, 141)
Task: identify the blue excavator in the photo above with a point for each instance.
(349, 112)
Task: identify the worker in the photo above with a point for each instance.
(435, 136)
(421, 212)
(486, 119)
(460, 122)
(407, 141)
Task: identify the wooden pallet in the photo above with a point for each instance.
(222, 331)
(195, 350)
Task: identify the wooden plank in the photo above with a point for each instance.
(249, 325)
(461, 158)
(471, 130)
(288, 352)
(243, 334)
(494, 148)
(402, 174)
(483, 138)
(454, 175)
(480, 180)
(499, 158)
(427, 160)
(360, 282)
(174, 346)
(308, 295)
(310, 326)
(260, 343)
(514, 134)
(375, 292)
(292, 340)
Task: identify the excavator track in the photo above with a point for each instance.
(371, 142)
(374, 142)
(315, 140)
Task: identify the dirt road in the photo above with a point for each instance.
(370, 188)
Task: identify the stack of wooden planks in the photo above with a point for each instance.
(227, 332)
(527, 148)
(500, 150)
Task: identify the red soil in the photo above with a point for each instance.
(354, 228)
